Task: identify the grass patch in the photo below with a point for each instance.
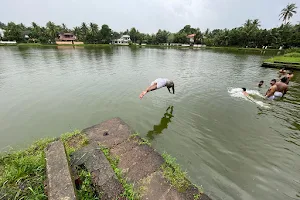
(86, 190)
(174, 174)
(129, 192)
(144, 141)
(288, 58)
(23, 172)
(74, 141)
(294, 54)
(136, 137)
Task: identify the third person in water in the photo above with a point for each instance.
(157, 84)
(277, 89)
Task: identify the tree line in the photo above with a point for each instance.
(249, 34)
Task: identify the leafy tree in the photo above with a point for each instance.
(2, 25)
(106, 34)
(133, 34)
(162, 36)
(52, 31)
(13, 32)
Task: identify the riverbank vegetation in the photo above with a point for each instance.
(23, 173)
(248, 34)
(286, 58)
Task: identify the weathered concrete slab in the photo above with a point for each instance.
(109, 133)
(144, 167)
(60, 183)
(154, 186)
(122, 148)
(104, 179)
(140, 163)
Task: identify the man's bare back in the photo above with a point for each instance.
(281, 87)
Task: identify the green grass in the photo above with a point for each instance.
(22, 173)
(139, 139)
(86, 190)
(288, 58)
(73, 141)
(173, 173)
(129, 192)
(144, 141)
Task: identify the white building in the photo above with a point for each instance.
(1, 32)
(124, 40)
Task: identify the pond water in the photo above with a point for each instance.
(236, 148)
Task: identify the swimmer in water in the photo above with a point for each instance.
(157, 84)
(244, 92)
(260, 84)
(277, 89)
(282, 71)
(289, 76)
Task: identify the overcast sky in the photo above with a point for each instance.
(146, 15)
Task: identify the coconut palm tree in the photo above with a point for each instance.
(288, 12)
(256, 23)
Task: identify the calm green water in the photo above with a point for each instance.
(234, 148)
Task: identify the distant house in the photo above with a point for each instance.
(25, 34)
(124, 40)
(1, 33)
(191, 37)
(67, 38)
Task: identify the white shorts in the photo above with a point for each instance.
(276, 95)
(161, 82)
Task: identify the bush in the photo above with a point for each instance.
(292, 55)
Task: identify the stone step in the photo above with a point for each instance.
(94, 161)
(140, 163)
(60, 183)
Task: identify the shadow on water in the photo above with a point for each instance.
(165, 120)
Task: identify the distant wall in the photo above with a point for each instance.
(68, 42)
(8, 42)
(63, 42)
(78, 43)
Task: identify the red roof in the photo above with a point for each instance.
(191, 35)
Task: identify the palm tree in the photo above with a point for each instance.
(256, 23)
(51, 31)
(288, 12)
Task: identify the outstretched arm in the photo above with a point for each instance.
(271, 91)
(150, 88)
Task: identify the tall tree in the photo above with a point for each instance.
(13, 32)
(52, 31)
(288, 12)
(106, 34)
(133, 34)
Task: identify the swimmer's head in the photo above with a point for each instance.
(261, 82)
(170, 84)
(284, 79)
(244, 89)
(273, 81)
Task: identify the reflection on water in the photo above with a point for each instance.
(165, 120)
